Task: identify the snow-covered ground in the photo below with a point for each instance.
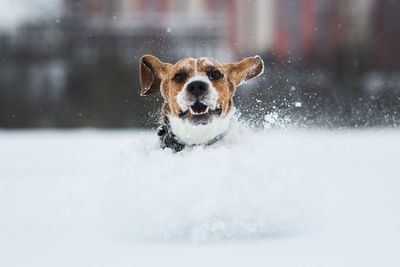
(274, 198)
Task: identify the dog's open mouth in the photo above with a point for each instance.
(199, 113)
(198, 109)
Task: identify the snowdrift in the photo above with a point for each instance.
(252, 186)
(284, 197)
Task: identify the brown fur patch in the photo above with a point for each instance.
(246, 69)
(152, 71)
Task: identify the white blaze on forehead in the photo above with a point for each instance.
(196, 71)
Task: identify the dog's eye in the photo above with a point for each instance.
(180, 77)
(215, 75)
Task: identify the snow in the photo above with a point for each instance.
(273, 198)
(297, 104)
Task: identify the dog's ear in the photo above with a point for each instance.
(244, 70)
(151, 72)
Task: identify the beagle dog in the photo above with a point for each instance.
(198, 96)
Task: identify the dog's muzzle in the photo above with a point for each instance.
(199, 113)
(197, 88)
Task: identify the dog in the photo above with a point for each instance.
(198, 96)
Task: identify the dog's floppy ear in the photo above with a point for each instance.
(151, 72)
(244, 70)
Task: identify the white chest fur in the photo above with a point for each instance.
(199, 134)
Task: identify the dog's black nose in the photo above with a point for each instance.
(197, 88)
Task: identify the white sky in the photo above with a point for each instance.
(13, 13)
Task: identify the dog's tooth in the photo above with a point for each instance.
(199, 113)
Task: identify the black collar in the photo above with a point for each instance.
(169, 140)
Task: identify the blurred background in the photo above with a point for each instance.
(74, 63)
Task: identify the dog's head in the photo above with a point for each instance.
(196, 91)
